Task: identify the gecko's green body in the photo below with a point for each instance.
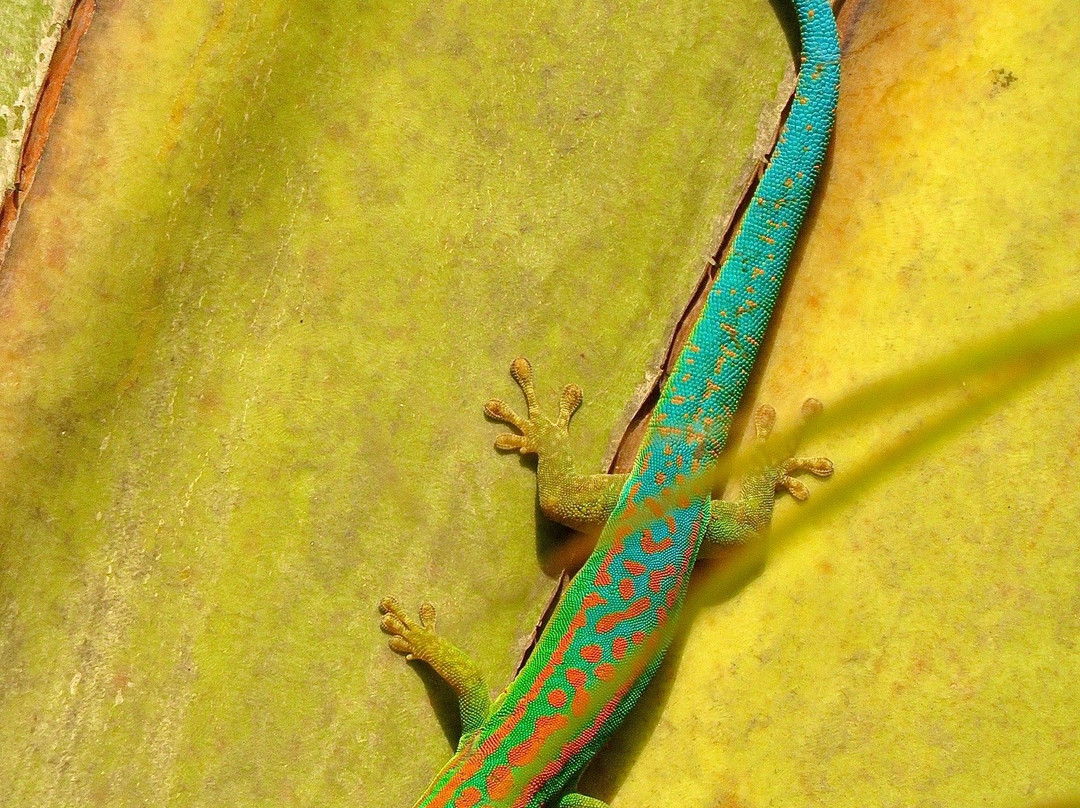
(609, 631)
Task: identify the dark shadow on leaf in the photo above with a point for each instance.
(789, 21)
(443, 701)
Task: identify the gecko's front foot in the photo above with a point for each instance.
(777, 473)
(733, 522)
(537, 430)
(580, 501)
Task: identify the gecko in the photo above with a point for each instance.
(609, 631)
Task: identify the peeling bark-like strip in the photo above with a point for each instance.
(37, 133)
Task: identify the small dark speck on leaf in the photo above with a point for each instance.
(1002, 79)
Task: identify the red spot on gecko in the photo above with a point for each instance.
(672, 596)
(557, 698)
(619, 647)
(605, 672)
(626, 589)
(592, 599)
(603, 574)
(500, 782)
(633, 567)
(580, 702)
(526, 751)
(656, 577)
(650, 546)
(592, 653)
(468, 798)
(609, 621)
(638, 637)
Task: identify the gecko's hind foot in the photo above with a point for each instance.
(418, 640)
(536, 428)
(411, 639)
(781, 470)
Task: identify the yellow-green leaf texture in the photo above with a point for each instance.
(279, 253)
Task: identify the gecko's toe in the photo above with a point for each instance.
(764, 420)
(795, 487)
(811, 408)
(392, 624)
(427, 615)
(508, 442)
(818, 466)
(389, 604)
(395, 619)
(499, 410)
(568, 404)
(400, 645)
(522, 371)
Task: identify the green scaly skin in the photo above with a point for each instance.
(608, 634)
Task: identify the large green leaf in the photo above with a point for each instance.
(279, 255)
